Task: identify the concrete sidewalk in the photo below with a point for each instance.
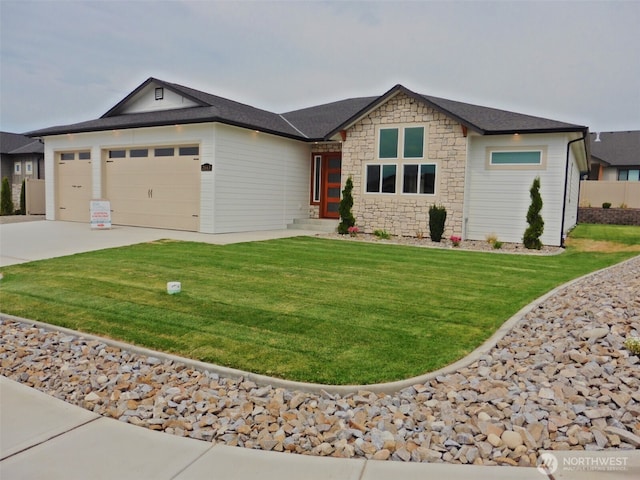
(43, 437)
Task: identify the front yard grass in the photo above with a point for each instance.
(308, 309)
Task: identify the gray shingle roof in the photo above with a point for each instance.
(15, 143)
(616, 148)
(313, 123)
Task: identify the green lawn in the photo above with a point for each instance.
(325, 311)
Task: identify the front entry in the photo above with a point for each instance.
(330, 191)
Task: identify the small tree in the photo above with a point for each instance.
(6, 204)
(533, 232)
(437, 218)
(23, 199)
(346, 217)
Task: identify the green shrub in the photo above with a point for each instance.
(6, 204)
(347, 219)
(382, 234)
(497, 245)
(437, 219)
(633, 345)
(606, 205)
(23, 199)
(533, 232)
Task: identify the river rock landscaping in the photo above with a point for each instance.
(561, 379)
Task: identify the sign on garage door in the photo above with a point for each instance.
(154, 186)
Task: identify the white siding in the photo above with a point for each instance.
(145, 101)
(497, 200)
(261, 181)
(573, 194)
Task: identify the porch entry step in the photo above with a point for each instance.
(317, 224)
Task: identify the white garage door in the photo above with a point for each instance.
(73, 184)
(154, 187)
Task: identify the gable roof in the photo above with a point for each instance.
(484, 120)
(316, 123)
(15, 144)
(616, 148)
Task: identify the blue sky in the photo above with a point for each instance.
(69, 61)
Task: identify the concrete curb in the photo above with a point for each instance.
(388, 388)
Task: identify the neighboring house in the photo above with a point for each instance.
(21, 158)
(173, 157)
(615, 156)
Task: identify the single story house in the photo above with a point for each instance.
(615, 156)
(21, 158)
(173, 157)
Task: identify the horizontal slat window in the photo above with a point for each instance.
(67, 156)
(139, 153)
(516, 158)
(164, 152)
(117, 153)
(84, 155)
(185, 151)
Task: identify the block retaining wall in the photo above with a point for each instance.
(609, 216)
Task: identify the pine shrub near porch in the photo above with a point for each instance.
(346, 203)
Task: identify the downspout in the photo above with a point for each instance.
(566, 184)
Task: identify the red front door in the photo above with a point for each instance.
(331, 184)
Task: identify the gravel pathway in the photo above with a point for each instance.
(560, 380)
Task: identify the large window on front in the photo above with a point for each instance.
(419, 178)
(381, 178)
(630, 175)
(411, 139)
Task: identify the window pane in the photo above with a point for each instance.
(373, 178)
(189, 151)
(67, 156)
(163, 152)
(333, 207)
(117, 153)
(317, 171)
(388, 179)
(428, 179)
(138, 153)
(515, 158)
(623, 175)
(388, 143)
(634, 175)
(413, 142)
(333, 192)
(335, 162)
(84, 156)
(334, 178)
(410, 180)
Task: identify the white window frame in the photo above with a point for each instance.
(17, 168)
(316, 179)
(541, 165)
(435, 177)
(28, 167)
(401, 128)
(381, 165)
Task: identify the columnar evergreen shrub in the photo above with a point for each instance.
(437, 218)
(6, 204)
(346, 217)
(533, 232)
(23, 199)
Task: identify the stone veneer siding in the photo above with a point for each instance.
(407, 214)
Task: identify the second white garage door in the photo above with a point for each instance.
(154, 187)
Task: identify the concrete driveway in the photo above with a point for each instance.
(26, 241)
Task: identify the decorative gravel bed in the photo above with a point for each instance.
(560, 380)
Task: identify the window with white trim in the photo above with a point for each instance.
(419, 178)
(317, 178)
(17, 168)
(381, 178)
(410, 138)
(522, 157)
